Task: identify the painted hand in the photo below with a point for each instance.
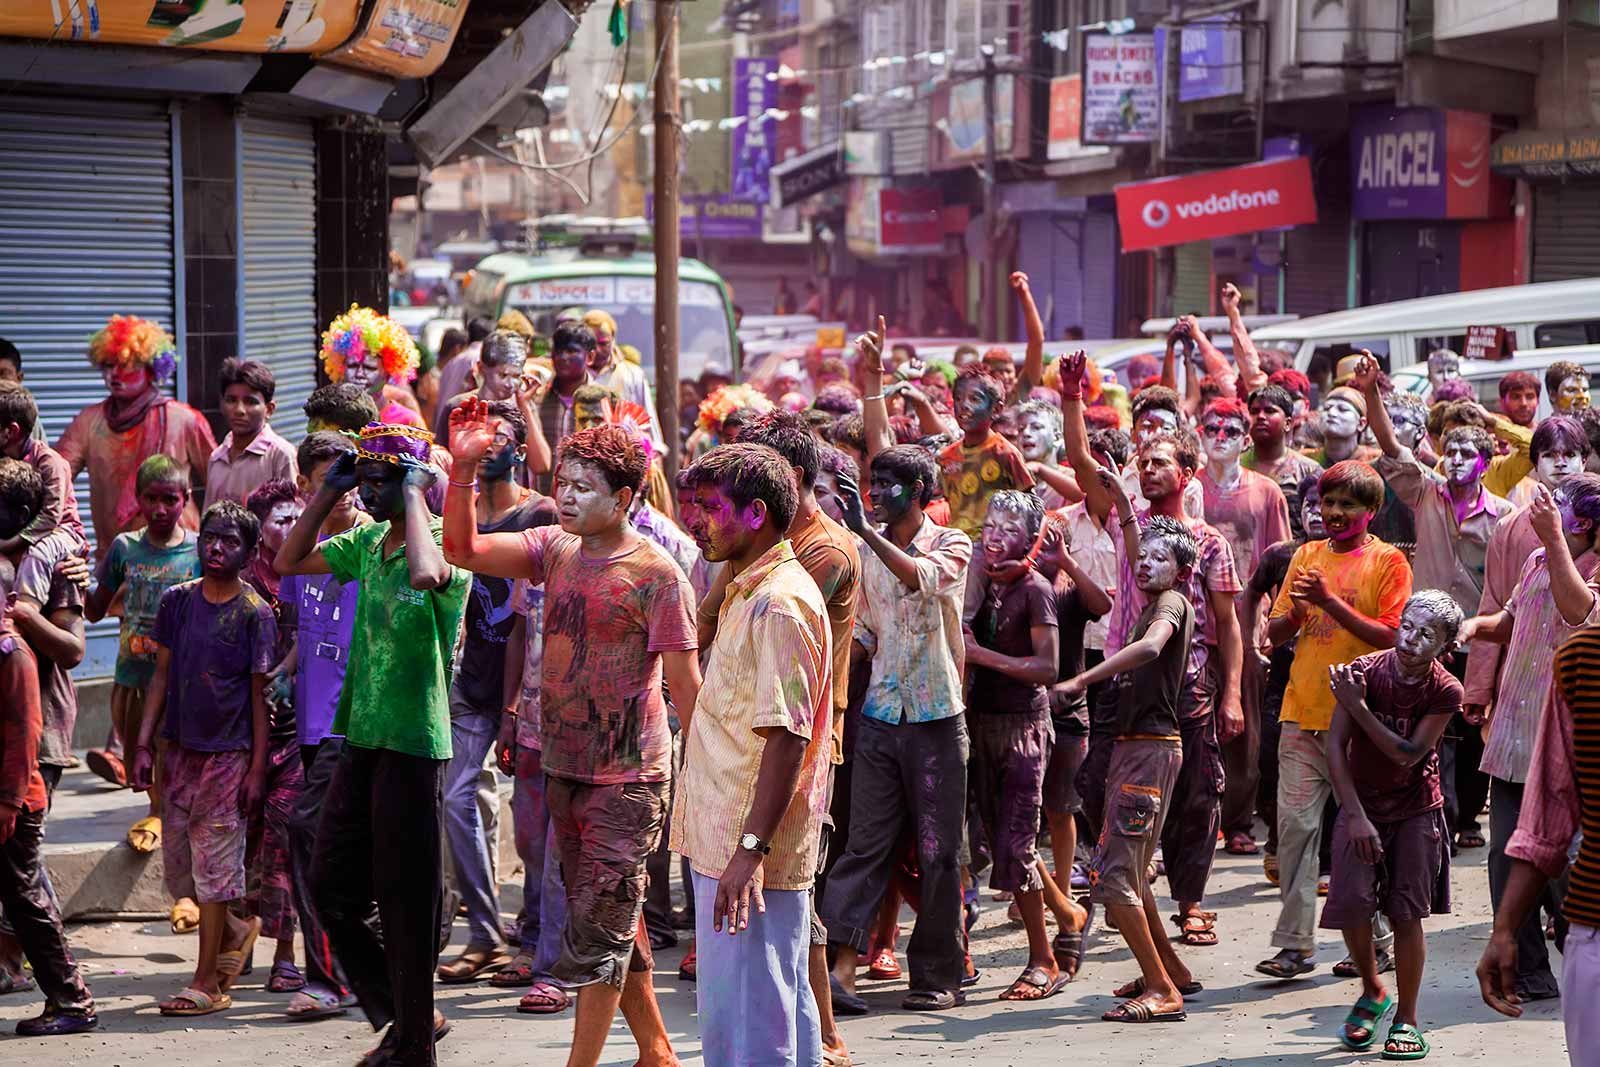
(471, 430)
(341, 476)
(1073, 366)
(855, 515)
(737, 890)
(1365, 378)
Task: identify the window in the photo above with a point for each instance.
(1577, 332)
(961, 29)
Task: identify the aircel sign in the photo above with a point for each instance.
(1419, 163)
(1218, 203)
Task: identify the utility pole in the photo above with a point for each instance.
(989, 322)
(666, 194)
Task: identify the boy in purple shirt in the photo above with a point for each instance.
(215, 639)
(324, 610)
(1390, 842)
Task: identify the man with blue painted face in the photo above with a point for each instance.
(378, 841)
(477, 697)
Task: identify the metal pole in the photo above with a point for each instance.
(992, 315)
(666, 193)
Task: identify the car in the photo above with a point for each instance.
(1403, 332)
(1484, 374)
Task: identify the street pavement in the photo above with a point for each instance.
(1241, 1019)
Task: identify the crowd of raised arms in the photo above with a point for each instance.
(874, 647)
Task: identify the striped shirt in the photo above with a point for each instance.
(1524, 686)
(768, 669)
(1578, 679)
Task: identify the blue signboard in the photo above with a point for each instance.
(754, 94)
(1210, 58)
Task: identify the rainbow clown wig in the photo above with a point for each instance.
(129, 341)
(362, 332)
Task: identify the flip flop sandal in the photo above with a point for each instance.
(519, 972)
(884, 966)
(1241, 845)
(1322, 885)
(286, 978)
(185, 916)
(932, 1000)
(1346, 968)
(309, 1004)
(1135, 989)
(1198, 931)
(689, 968)
(201, 1003)
(1070, 945)
(1269, 868)
(14, 983)
(1014, 914)
(1410, 1035)
(1035, 978)
(1376, 1010)
(970, 980)
(231, 964)
(472, 965)
(545, 998)
(1286, 967)
(1137, 1011)
(107, 766)
(832, 1058)
(149, 828)
(1469, 839)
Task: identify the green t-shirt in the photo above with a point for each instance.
(139, 572)
(396, 686)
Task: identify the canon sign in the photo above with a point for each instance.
(1198, 207)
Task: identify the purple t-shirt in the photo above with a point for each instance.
(1388, 791)
(327, 619)
(215, 649)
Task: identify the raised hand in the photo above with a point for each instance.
(1019, 281)
(1365, 378)
(854, 512)
(1230, 298)
(341, 476)
(419, 475)
(870, 345)
(471, 431)
(1073, 367)
(1545, 515)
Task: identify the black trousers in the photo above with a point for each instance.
(1533, 958)
(378, 842)
(318, 762)
(906, 779)
(36, 920)
(1189, 837)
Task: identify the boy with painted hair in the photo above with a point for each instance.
(1039, 440)
(1568, 386)
(215, 639)
(1012, 651)
(1146, 755)
(983, 462)
(1390, 842)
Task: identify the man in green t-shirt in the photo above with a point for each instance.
(378, 841)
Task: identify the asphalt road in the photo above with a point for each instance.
(1241, 1019)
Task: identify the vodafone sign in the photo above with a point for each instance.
(1218, 203)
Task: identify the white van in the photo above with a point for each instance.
(1545, 315)
(1484, 374)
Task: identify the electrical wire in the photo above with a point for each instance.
(598, 150)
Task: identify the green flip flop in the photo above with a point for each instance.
(1378, 1008)
(1409, 1034)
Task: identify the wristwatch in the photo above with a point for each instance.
(752, 843)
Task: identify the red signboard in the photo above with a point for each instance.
(1488, 342)
(1218, 203)
(1066, 116)
(912, 220)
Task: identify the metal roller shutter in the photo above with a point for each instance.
(1316, 266)
(1099, 278)
(1191, 280)
(278, 252)
(86, 229)
(1566, 232)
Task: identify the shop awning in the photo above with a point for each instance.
(808, 174)
(1545, 154)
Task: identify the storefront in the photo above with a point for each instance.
(1562, 169)
(1434, 219)
(1068, 247)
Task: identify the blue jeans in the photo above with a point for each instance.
(755, 1004)
(472, 734)
(544, 898)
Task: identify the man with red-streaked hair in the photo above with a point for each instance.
(618, 621)
(1251, 513)
(1519, 398)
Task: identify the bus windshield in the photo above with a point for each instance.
(703, 330)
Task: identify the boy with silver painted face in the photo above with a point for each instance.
(1039, 439)
(1146, 755)
(1389, 841)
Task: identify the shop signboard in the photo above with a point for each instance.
(721, 216)
(1488, 342)
(881, 220)
(1419, 163)
(752, 143)
(1218, 203)
(806, 175)
(1121, 89)
(403, 38)
(214, 25)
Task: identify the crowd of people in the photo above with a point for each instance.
(895, 626)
